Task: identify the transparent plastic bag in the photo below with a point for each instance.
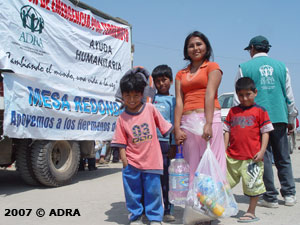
(210, 194)
(194, 124)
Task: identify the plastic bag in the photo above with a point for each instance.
(194, 124)
(210, 195)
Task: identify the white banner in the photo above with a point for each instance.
(68, 63)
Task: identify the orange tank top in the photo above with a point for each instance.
(194, 88)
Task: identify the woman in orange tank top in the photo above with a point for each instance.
(197, 112)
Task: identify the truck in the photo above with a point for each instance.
(60, 63)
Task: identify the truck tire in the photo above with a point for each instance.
(55, 162)
(23, 161)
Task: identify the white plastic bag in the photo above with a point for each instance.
(194, 124)
(210, 195)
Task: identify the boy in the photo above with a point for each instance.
(165, 103)
(136, 137)
(149, 90)
(247, 128)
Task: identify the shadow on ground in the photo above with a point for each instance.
(241, 199)
(100, 172)
(117, 213)
(11, 182)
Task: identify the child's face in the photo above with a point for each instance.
(162, 85)
(132, 100)
(246, 97)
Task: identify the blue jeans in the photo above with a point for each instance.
(278, 144)
(138, 185)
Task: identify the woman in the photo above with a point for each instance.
(196, 90)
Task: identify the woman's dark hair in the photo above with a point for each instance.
(133, 82)
(162, 70)
(209, 51)
(244, 83)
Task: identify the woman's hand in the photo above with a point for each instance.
(207, 131)
(214, 79)
(180, 136)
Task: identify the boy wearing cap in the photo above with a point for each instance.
(273, 84)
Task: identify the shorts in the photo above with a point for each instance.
(251, 174)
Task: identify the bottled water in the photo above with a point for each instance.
(179, 173)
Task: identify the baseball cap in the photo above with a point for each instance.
(258, 41)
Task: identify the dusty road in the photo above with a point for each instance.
(97, 198)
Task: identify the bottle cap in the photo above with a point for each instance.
(179, 152)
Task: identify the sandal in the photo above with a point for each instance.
(248, 218)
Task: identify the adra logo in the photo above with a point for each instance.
(32, 20)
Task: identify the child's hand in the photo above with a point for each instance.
(123, 157)
(259, 156)
(125, 163)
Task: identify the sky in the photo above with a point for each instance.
(159, 28)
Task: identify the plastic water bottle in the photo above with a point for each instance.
(179, 173)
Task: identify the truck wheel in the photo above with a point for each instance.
(55, 162)
(23, 161)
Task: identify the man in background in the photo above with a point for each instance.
(274, 93)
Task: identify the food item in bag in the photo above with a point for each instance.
(206, 185)
(211, 205)
(215, 198)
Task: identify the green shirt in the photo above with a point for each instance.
(269, 76)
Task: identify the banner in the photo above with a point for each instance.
(68, 63)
